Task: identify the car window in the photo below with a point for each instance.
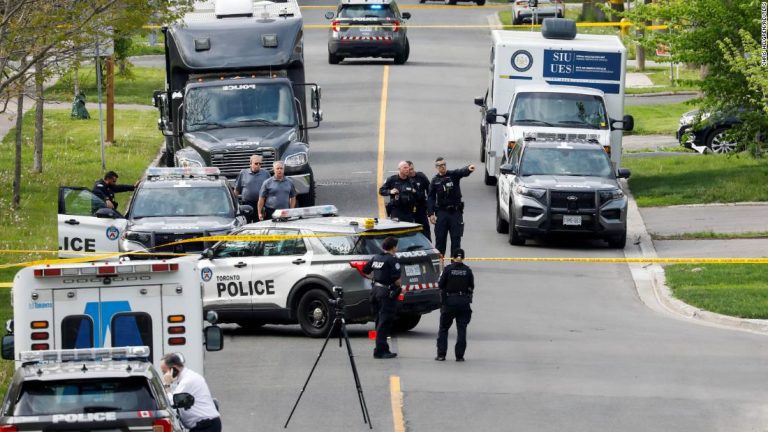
(282, 247)
(406, 243)
(367, 11)
(84, 396)
(81, 202)
(238, 248)
(565, 161)
(176, 201)
(339, 244)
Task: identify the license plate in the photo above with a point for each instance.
(365, 29)
(572, 220)
(412, 270)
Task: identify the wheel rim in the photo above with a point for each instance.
(722, 145)
(317, 314)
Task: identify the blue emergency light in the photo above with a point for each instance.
(375, 7)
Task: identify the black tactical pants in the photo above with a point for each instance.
(384, 310)
(420, 217)
(402, 214)
(459, 310)
(448, 221)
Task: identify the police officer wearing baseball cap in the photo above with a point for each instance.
(457, 283)
(386, 289)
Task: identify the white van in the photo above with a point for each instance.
(156, 303)
(553, 85)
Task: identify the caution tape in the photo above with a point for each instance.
(504, 26)
(628, 260)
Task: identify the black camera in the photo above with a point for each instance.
(338, 302)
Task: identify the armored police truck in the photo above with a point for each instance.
(150, 303)
(553, 85)
(235, 87)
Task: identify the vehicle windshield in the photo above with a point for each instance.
(567, 110)
(181, 201)
(566, 161)
(380, 11)
(406, 243)
(39, 398)
(239, 105)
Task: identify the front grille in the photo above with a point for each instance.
(233, 161)
(165, 238)
(572, 200)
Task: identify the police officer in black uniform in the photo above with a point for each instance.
(106, 189)
(444, 205)
(421, 183)
(456, 284)
(402, 194)
(386, 289)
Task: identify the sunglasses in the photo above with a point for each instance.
(439, 165)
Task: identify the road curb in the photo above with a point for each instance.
(651, 286)
(668, 93)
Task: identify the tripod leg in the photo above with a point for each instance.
(360, 396)
(317, 360)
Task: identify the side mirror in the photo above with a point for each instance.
(329, 15)
(214, 338)
(479, 101)
(406, 15)
(183, 401)
(207, 254)
(491, 117)
(245, 210)
(156, 98)
(107, 213)
(623, 173)
(508, 169)
(626, 124)
(8, 348)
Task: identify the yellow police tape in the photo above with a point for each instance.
(505, 26)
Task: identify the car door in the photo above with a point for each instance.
(282, 262)
(80, 232)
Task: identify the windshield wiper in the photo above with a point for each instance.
(581, 123)
(533, 121)
(261, 121)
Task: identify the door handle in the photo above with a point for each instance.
(299, 261)
(240, 264)
(72, 222)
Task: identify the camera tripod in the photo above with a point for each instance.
(340, 325)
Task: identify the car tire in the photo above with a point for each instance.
(168, 153)
(250, 324)
(480, 2)
(618, 242)
(450, 2)
(517, 21)
(514, 237)
(314, 313)
(333, 58)
(502, 226)
(403, 323)
(716, 141)
(489, 180)
(308, 199)
(403, 56)
(422, 1)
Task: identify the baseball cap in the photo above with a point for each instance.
(458, 253)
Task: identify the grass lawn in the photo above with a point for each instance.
(709, 235)
(662, 119)
(704, 179)
(663, 83)
(739, 290)
(71, 156)
(136, 89)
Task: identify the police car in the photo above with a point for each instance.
(368, 28)
(283, 271)
(107, 389)
(169, 206)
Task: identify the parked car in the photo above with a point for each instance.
(712, 133)
(524, 10)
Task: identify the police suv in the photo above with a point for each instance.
(283, 271)
(108, 389)
(557, 187)
(170, 206)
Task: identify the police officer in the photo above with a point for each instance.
(444, 205)
(386, 289)
(106, 189)
(402, 194)
(421, 183)
(456, 286)
(248, 184)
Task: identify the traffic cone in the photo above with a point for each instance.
(372, 334)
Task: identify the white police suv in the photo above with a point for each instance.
(283, 271)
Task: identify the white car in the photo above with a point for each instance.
(523, 12)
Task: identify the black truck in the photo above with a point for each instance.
(235, 87)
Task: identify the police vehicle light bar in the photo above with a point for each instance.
(122, 353)
(305, 212)
(107, 270)
(179, 172)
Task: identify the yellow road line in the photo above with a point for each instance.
(397, 403)
(382, 138)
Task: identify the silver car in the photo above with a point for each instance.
(288, 276)
(557, 187)
(523, 12)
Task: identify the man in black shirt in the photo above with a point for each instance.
(444, 205)
(402, 194)
(457, 283)
(386, 290)
(106, 189)
(421, 183)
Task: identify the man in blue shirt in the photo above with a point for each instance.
(277, 192)
(249, 182)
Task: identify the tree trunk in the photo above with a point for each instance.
(39, 101)
(17, 161)
(590, 12)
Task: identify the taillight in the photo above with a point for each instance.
(9, 428)
(47, 272)
(40, 347)
(39, 335)
(358, 265)
(177, 341)
(39, 324)
(162, 425)
(395, 26)
(401, 297)
(335, 26)
(176, 330)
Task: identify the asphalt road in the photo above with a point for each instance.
(552, 347)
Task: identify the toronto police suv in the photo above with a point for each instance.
(363, 28)
(106, 389)
(170, 206)
(557, 187)
(285, 271)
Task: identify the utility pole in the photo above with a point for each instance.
(111, 99)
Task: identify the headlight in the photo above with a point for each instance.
(138, 237)
(184, 162)
(531, 192)
(610, 195)
(297, 159)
